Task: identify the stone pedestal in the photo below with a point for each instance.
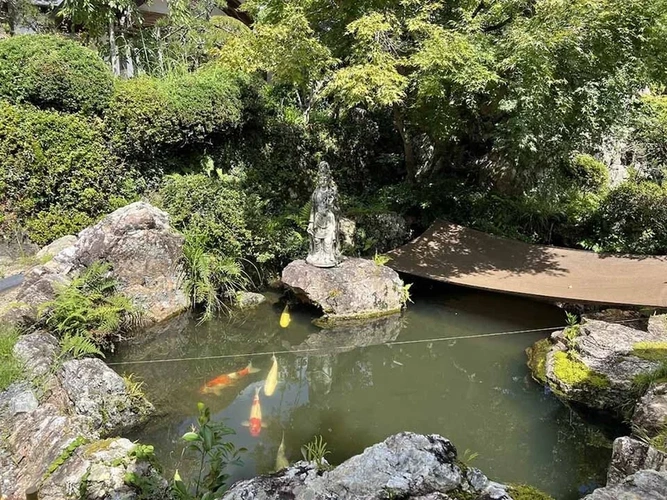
(354, 290)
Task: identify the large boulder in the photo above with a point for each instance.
(145, 253)
(405, 465)
(100, 394)
(102, 470)
(55, 247)
(650, 415)
(142, 248)
(356, 289)
(596, 363)
(643, 485)
(631, 455)
(37, 352)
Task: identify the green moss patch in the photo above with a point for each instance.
(653, 351)
(537, 359)
(525, 492)
(660, 441)
(574, 373)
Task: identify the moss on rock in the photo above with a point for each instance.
(652, 351)
(537, 360)
(575, 373)
(525, 492)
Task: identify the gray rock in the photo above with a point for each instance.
(23, 402)
(40, 285)
(607, 350)
(247, 300)
(101, 467)
(37, 351)
(643, 485)
(145, 254)
(405, 465)
(357, 288)
(630, 455)
(55, 247)
(99, 393)
(650, 414)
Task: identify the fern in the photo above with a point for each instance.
(78, 346)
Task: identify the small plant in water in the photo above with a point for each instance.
(206, 442)
(571, 332)
(316, 451)
(405, 294)
(469, 456)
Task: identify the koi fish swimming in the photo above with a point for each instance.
(216, 385)
(285, 318)
(281, 459)
(255, 424)
(272, 378)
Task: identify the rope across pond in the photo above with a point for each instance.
(319, 349)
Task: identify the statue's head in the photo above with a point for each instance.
(323, 174)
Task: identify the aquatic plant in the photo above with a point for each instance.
(316, 451)
(134, 387)
(206, 442)
(653, 351)
(11, 369)
(575, 373)
(91, 307)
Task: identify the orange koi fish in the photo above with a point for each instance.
(255, 424)
(217, 384)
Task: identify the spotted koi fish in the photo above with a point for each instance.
(255, 423)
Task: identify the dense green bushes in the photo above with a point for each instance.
(149, 116)
(56, 172)
(52, 72)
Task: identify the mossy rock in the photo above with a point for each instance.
(652, 351)
(537, 360)
(574, 373)
(526, 492)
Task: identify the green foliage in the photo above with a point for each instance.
(10, 367)
(526, 492)
(643, 381)
(135, 391)
(206, 444)
(52, 72)
(380, 259)
(56, 173)
(67, 452)
(469, 456)
(632, 218)
(575, 373)
(316, 451)
(90, 312)
(649, 129)
(77, 346)
(588, 173)
(405, 294)
(150, 116)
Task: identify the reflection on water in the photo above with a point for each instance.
(350, 387)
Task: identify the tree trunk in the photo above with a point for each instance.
(113, 49)
(408, 152)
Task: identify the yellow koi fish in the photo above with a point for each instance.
(285, 318)
(272, 378)
(281, 459)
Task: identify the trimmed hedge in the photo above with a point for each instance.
(150, 116)
(52, 72)
(56, 172)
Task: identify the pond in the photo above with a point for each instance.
(354, 390)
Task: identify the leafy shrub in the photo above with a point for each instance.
(90, 308)
(632, 218)
(650, 134)
(52, 72)
(56, 173)
(588, 173)
(148, 115)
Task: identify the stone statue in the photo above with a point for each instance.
(323, 222)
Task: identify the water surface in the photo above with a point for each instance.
(355, 390)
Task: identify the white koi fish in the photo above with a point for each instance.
(272, 378)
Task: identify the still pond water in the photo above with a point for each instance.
(355, 391)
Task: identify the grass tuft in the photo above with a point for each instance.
(10, 367)
(652, 351)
